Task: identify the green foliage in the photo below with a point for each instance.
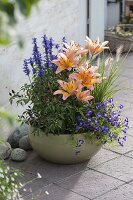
(110, 84)
(46, 111)
(25, 6)
(6, 116)
(8, 16)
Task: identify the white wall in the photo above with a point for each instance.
(51, 18)
(82, 20)
(105, 14)
(97, 19)
(113, 14)
(56, 19)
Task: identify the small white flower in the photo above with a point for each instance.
(21, 185)
(7, 179)
(46, 192)
(1, 170)
(12, 179)
(3, 187)
(15, 173)
(1, 175)
(16, 190)
(9, 196)
(39, 175)
(9, 190)
(24, 190)
(16, 186)
(8, 168)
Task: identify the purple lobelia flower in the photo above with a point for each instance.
(103, 120)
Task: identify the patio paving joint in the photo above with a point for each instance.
(107, 174)
(71, 190)
(120, 154)
(109, 191)
(104, 161)
(64, 179)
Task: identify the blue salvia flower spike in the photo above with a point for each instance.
(26, 68)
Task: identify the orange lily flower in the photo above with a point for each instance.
(84, 96)
(95, 47)
(87, 76)
(74, 49)
(68, 88)
(71, 57)
(65, 62)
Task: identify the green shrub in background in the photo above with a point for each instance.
(8, 17)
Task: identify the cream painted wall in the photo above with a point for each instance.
(65, 18)
(82, 20)
(52, 17)
(97, 19)
(113, 14)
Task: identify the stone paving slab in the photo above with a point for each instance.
(126, 85)
(130, 132)
(128, 146)
(56, 193)
(120, 97)
(90, 183)
(129, 95)
(127, 105)
(127, 68)
(131, 183)
(130, 154)
(128, 113)
(32, 183)
(52, 172)
(120, 168)
(130, 123)
(102, 156)
(124, 192)
(127, 73)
